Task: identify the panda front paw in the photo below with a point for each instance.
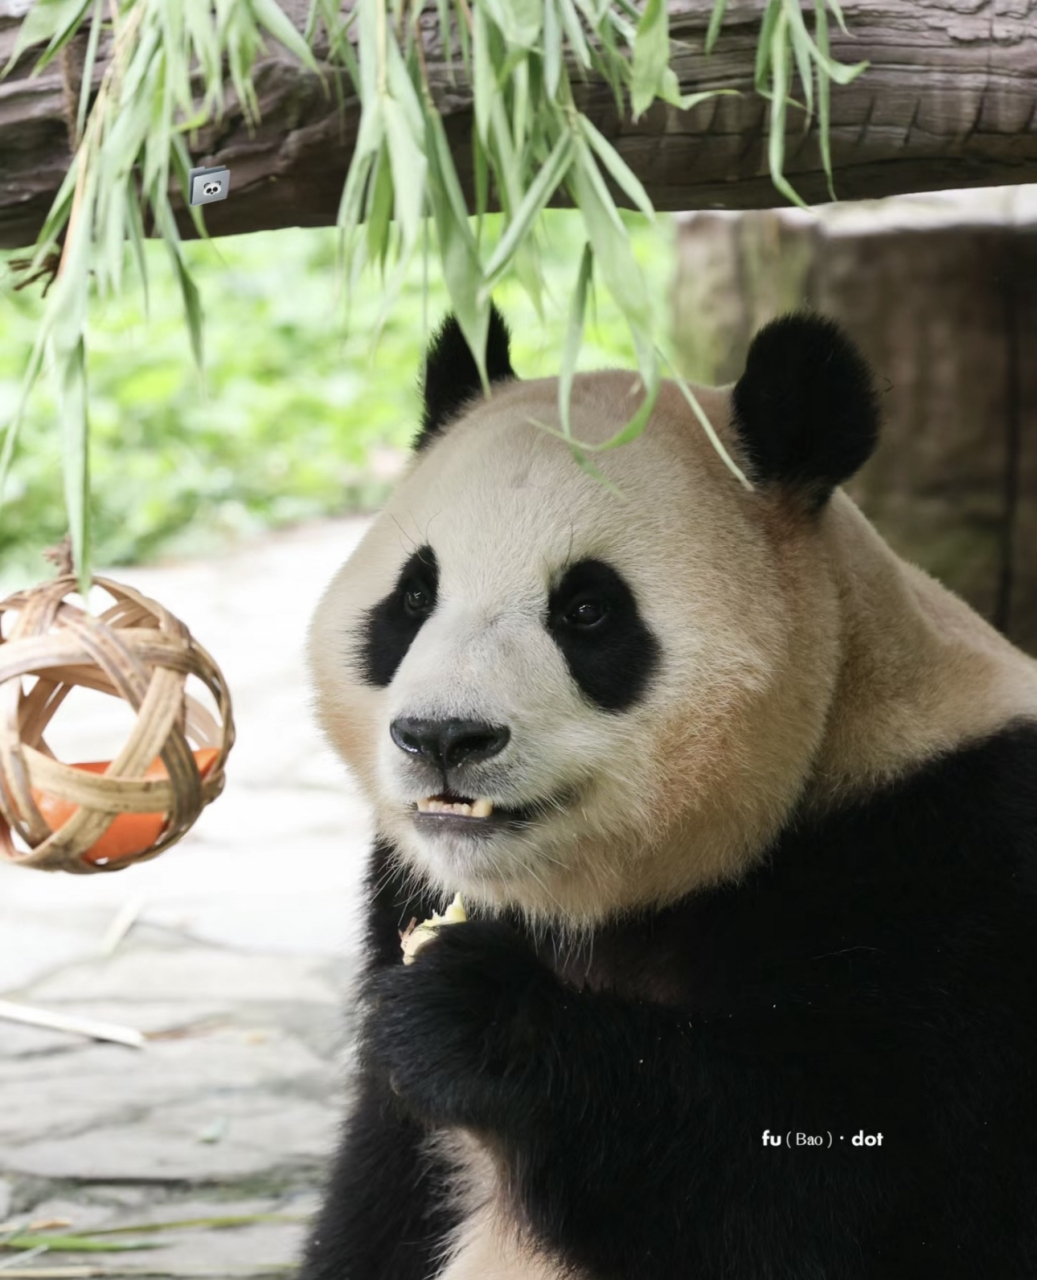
(461, 1033)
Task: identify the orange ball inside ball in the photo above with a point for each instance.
(131, 834)
(105, 815)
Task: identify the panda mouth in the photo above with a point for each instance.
(461, 806)
(448, 811)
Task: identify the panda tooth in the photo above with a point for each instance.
(477, 809)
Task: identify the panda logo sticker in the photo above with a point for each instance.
(208, 184)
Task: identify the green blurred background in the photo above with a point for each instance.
(298, 419)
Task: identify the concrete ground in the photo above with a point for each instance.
(237, 969)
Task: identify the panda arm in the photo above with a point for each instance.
(381, 1219)
(383, 1216)
(632, 1132)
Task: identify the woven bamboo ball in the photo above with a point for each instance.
(75, 817)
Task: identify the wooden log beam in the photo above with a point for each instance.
(949, 100)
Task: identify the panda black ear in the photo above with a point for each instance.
(805, 408)
(451, 377)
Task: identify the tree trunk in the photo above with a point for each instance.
(947, 317)
(948, 101)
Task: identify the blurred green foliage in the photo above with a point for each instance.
(296, 412)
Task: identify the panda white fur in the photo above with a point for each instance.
(762, 853)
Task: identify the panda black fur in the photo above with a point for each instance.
(768, 855)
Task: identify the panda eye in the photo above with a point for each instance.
(586, 614)
(417, 601)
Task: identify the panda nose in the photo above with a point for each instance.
(448, 743)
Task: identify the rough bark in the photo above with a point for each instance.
(948, 101)
(946, 315)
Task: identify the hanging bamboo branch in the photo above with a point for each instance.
(527, 63)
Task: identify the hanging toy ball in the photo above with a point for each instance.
(105, 815)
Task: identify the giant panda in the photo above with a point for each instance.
(743, 808)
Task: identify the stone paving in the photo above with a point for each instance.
(237, 969)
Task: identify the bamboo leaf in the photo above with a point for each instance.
(552, 49)
(764, 49)
(574, 336)
(836, 8)
(32, 373)
(690, 100)
(408, 170)
(651, 55)
(716, 19)
(379, 210)
(72, 1243)
(520, 21)
(484, 82)
(532, 203)
(188, 289)
(709, 429)
(600, 202)
(280, 26)
(801, 48)
(461, 269)
(574, 33)
(624, 177)
(823, 110)
(136, 225)
(89, 62)
(56, 20)
(70, 370)
(776, 140)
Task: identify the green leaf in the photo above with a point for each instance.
(690, 100)
(89, 62)
(776, 139)
(574, 33)
(408, 170)
(484, 83)
(552, 49)
(765, 46)
(217, 1223)
(379, 210)
(461, 269)
(32, 373)
(708, 427)
(651, 55)
(480, 165)
(56, 20)
(69, 1243)
(836, 8)
(520, 21)
(716, 19)
(541, 189)
(599, 199)
(621, 172)
(823, 111)
(136, 226)
(801, 48)
(70, 371)
(280, 26)
(188, 289)
(574, 336)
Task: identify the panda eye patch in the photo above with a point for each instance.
(389, 628)
(593, 618)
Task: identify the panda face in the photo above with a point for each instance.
(624, 688)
